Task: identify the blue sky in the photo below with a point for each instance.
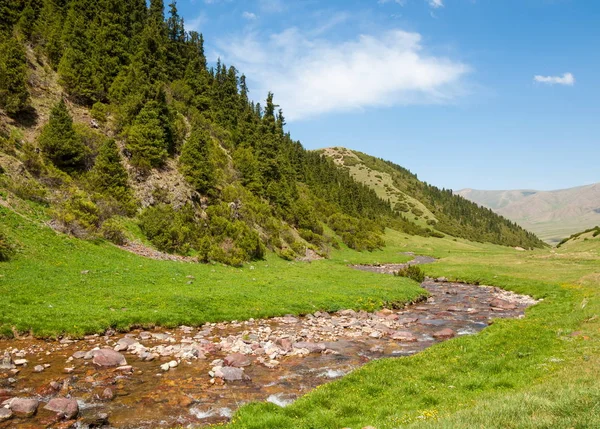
(485, 94)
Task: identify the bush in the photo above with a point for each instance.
(78, 215)
(113, 232)
(7, 249)
(417, 212)
(412, 272)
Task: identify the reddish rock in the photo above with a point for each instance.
(24, 407)
(108, 357)
(444, 334)
(285, 344)
(504, 305)
(407, 320)
(237, 360)
(64, 406)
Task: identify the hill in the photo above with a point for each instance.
(113, 122)
(552, 215)
(427, 205)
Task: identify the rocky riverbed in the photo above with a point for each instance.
(197, 376)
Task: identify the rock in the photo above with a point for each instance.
(39, 368)
(173, 364)
(7, 362)
(5, 414)
(21, 362)
(165, 366)
(124, 343)
(237, 360)
(285, 344)
(407, 320)
(229, 373)
(108, 357)
(311, 347)
(67, 407)
(125, 368)
(498, 303)
(97, 421)
(107, 394)
(444, 334)
(69, 370)
(23, 407)
(441, 280)
(403, 336)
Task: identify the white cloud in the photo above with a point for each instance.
(436, 3)
(566, 79)
(311, 76)
(249, 16)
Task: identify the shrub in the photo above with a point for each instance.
(78, 215)
(7, 249)
(402, 207)
(417, 212)
(412, 272)
(113, 232)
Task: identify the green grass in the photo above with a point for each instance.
(517, 373)
(45, 292)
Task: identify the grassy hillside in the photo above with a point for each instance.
(428, 205)
(551, 215)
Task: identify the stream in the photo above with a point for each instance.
(194, 376)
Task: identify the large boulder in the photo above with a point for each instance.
(68, 408)
(504, 305)
(108, 358)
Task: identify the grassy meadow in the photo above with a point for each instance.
(542, 371)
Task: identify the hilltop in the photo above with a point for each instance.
(552, 215)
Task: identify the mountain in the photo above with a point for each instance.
(427, 205)
(113, 125)
(552, 215)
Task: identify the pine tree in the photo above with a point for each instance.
(146, 138)
(59, 142)
(76, 69)
(14, 95)
(108, 174)
(195, 162)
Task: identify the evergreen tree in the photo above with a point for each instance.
(109, 175)
(14, 95)
(147, 139)
(59, 142)
(195, 162)
(76, 68)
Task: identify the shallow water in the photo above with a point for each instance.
(279, 372)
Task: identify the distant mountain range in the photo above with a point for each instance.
(551, 215)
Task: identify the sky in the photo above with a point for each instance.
(484, 94)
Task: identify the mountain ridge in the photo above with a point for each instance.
(553, 215)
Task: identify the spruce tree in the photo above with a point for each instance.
(109, 175)
(146, 138)
(195, 163)
(14, 95)
(59, 142)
